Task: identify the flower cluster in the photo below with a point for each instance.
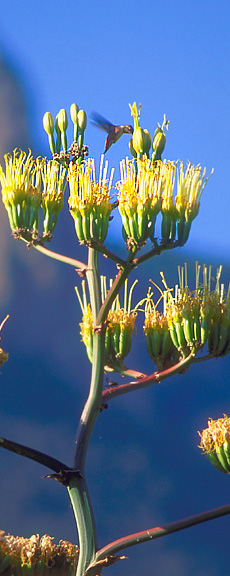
(119, 328)
(147, 188)
(27, 184)
(215, 443)
(36, 556)
(190, 318)
(89, 200)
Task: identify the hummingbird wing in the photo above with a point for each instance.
(102, 123)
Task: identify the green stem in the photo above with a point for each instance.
(79, 497)
(154, 533)
(61, 258)
(106, 252)
(78, 489)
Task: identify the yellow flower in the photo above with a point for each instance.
(139, 198)
(215, 442)
(54, 184)
(89, 200)
(21, 189)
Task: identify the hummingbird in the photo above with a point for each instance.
(114, 132)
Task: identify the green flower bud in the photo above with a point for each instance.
(159, 142)
(62, 120)
(73, 113)
(48, 123)
(133, 152)
(82, 121)
(147, 141)
(139, 141)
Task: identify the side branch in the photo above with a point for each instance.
(40, 457)
(61, 258)
(159, 531)
(115, 391)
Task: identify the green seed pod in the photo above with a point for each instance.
(224, 336)
(215, 461)
(165, 227)
(155, 341)
(89, 347)
(222, 457)
(166, 344)
(86, 226)
(188, 330)
(149, 347)
(213, 337)
(107, 344)
(124, 342)
(173, 335)
(180, 334)
(78, 227)
(116, 339)
(226, 447)
(196, 329)
(204, 329)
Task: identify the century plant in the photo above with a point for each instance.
(182, 323)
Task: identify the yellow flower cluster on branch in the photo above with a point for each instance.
(215, 442)
(36, 555)
(89, 200)
(27, 184)
(147, 188)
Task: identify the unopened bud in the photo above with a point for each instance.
(73, 113)
(139, 141)
(62, 120)
(159, 142)
(82, 121)
(133, 152)
(147, 141)
(48, 123)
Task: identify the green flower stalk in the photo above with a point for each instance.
(21, 189)
(215, 443)
(54, 184)
(89, 200)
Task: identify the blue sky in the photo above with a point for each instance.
(173, 57)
